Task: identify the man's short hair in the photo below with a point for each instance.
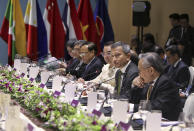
(152, 59)
(109, 43)
(174, 16)
(79, 42)
(158, 49)
(125, 47)
(184, 16)
(70, 43)
(174, 50)
(91, 47)
(149, 38)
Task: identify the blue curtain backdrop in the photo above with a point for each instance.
(42, 3)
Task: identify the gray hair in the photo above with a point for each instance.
(80, 42)
(125, 47)
(152, 59)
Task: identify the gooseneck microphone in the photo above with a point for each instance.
(87, 75)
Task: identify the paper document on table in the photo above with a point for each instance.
(170, 123)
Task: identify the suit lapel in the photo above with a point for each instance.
(154, 89)
(87, 68)
(125, 75)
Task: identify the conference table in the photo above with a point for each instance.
(166, 126)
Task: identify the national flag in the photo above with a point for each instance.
(71, 21)
(88, 25)
(103, 22)
(13, 30)
(36, 31)
(55, 29)
(72, 24)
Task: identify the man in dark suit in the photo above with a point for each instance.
(77, 67)
(94, 65)
(127, 69)
(175, 32)
(148, 43)
(160, 91)
(187, 39)
(178, 71)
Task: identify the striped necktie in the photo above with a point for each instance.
(149, 92)
(119, 81)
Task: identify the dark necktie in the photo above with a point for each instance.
(119, 73)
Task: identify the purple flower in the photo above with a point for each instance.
(31, 79)
(42, 85)
(10, 89)
(38, 109)
(50, 109)
(90, 115)
(18, 77)
(97, 113)
(30, 127)
(94, 123)
(74, 103)
(103, 128)
(46, 111)
(123, 126)
(7, 85)
(37, 92)
(56, 94)
(22, 75)
(26, 90)
(65, 123)
(14, 69)
(19, 89)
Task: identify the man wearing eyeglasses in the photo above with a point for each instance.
(156, 87)
(77, 67)
(94, 65)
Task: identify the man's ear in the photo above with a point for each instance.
(128, 56)
(151, 69)
(93, 52)
(176, 56)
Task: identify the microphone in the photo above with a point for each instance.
(87, 75)
(105, 81)
(106, 98)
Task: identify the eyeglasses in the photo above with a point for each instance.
(77, 49)
(144, 69)
(83, 54)
(106, 53)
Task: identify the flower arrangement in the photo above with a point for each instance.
(44, 105)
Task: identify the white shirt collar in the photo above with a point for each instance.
(154, 81)
(125, 67)
(176, 63)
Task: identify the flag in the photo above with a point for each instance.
(36, 31)
(72, 24)
(104, 26)
(88, 25)
(71, 21)
(13, 30)
(55, 29)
